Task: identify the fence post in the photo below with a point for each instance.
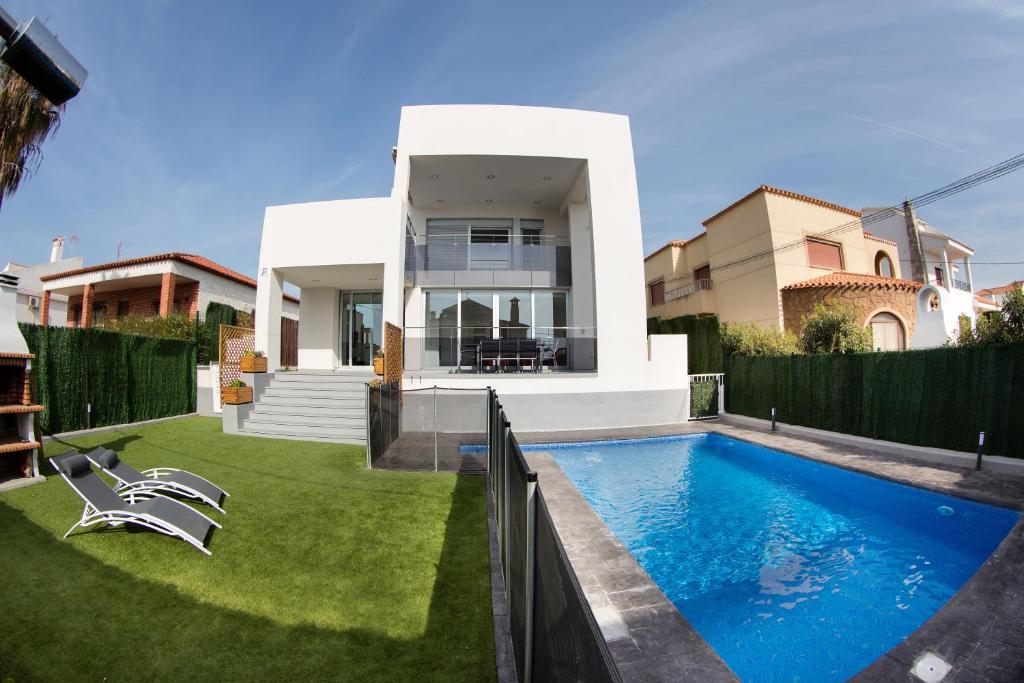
(506, 432)
(435, 428)
(369, 441)
(721, 394)
(531, 573)
(489, 412)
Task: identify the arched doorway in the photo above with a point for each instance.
(888, 332)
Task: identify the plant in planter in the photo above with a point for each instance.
(252, 361)
(236, 393)
(378, 363)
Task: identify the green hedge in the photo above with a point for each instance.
(126, 378)
(704, 340)
(935, 397)
(216, 315)
(703, 399)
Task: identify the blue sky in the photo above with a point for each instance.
(197, 115)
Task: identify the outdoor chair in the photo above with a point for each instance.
(145, 508)
(508, 354)
(469, 354)
(529, 354)
(161, 479)
(490, 354)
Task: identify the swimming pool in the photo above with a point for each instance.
(789, 568)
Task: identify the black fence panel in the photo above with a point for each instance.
(554, 634)
(383, 419)
(568, 645)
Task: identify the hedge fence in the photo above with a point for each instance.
(704, 340)
(938, 397)
(126, 378)
(217, 314)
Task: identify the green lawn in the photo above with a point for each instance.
(323, 570)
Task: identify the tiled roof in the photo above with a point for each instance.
(985, 300)
(791, 195)
(877, 238)
(842, 279)
(673, 243)
(200, 262)
(1018, 284)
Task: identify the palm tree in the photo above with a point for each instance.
(26, 120)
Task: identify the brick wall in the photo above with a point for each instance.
(796, 303)
(142, 301)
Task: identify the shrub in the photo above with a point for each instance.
(176, 326)
(834, 329)
(749, 339)
(216, 315)
(236, 384)
(993, 327)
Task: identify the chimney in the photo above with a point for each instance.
(11, 340)
(914, 240)
(57, 250)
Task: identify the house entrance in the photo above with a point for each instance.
(362, 323)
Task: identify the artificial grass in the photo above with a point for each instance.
(323, 570)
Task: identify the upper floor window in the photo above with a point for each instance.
(657, 290)
(824, 255)
(883, 265)
(702, 273)
(939, 279)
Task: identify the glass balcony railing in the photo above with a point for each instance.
(500, 350)
(487, 261)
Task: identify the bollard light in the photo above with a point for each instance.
(774, 428)
(981, 444)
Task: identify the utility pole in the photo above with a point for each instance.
(914, 239)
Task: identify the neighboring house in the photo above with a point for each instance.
(938, 262)
(993, 298)
(519, 224)
(768, 257)
(30, 289)
(160, 284)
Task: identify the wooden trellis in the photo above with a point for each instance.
(393, 362)
(234, 341)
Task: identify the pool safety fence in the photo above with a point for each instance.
(554, 633)
(424, 429)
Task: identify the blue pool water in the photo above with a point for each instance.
(792, 570)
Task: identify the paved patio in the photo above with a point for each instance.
(978, 632)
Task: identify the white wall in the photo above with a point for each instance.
(318, 329)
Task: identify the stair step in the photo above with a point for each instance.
(315, 410)
(333, 403)
(354, 421)
(354, 441)
(279, 392)
(295, 378)
(337, 432)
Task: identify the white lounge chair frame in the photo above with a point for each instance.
(92, 515)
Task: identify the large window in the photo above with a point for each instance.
(514, 315)
(883, 265)
(657, 292)
(477, 314)
(824, 255)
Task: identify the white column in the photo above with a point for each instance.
(947, 275)
(582, 248)
(967, 270)
(269, 290)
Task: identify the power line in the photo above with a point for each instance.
(981, 177)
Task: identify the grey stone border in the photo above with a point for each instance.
(115, 428)
(979, 632)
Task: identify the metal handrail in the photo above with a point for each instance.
(704, 284)
(961, 285)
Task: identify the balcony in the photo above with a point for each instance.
(489, 261)
(702, 285)
(523, 351)
(961, 285)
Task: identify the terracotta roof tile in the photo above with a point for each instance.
(200, 262)
(1018, 284)
(785, 193)
(877, 238)
(842, 279)
(673, 243)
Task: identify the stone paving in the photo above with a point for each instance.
(979, 634)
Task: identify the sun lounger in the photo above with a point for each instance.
(128, 506)
(161, 479)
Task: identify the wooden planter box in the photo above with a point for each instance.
(378, 365)
(252, 364)
(236, 396)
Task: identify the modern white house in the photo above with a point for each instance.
(939, 262)
(28, 307)
(508, 252)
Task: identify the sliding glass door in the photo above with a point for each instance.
(362, 327)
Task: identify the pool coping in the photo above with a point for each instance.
(979, 631)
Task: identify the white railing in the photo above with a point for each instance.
(687, 290)
(718, 378)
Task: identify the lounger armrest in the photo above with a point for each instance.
(157, 472)
(133, 494)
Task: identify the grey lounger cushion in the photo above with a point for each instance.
(122, 471)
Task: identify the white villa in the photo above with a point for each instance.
(514, 226)
(941, 263)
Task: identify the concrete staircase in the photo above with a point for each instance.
(312, 406)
